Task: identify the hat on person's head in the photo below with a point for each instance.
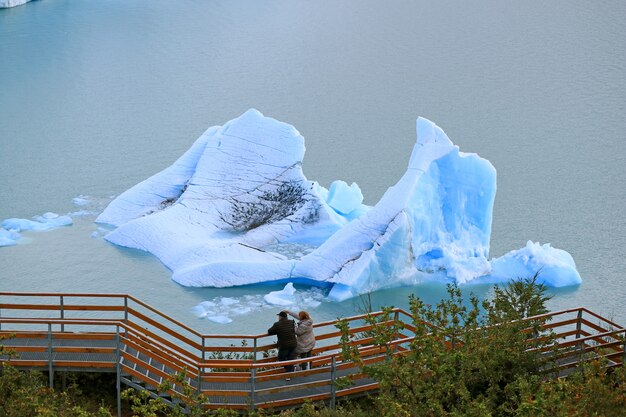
(282, 314)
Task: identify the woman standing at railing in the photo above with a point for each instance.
(304, 335)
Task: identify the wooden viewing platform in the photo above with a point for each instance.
(58, 332)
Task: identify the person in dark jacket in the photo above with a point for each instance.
(285, 330)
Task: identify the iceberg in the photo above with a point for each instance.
(555, 266)
(236, 209)
(9, 237)
(4, 4)
(10, 228)
(284, 297)
(46, 221)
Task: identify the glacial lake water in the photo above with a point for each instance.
(96, 96)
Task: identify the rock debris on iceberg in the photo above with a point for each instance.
(236, 209)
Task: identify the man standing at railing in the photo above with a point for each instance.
(284, 329)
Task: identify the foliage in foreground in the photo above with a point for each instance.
(25, 394)
(481, 359)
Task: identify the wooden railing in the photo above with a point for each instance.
(144, 347)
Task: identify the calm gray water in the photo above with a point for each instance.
(96, 96)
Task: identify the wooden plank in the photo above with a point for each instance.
(59, 321)
(359, 389)
(63, 294)
(83, 336)
(70, 307)
(218, 406)
(165, 329)
(242, 349)
(57, 307)
(85, 364)
(149, 381)
(148, 367)
(20, 349)
(146, 379)
(61, 363)
(268, 375)
(353, 330)
(75, 349)
(166, 317)
(224, 379)
(292, 401)
(225, 393)
(558, 324)
(58, 335)
(168, 360)
(168, 344)
(51, 307)
(604, 319)
(25, 363)
(594, 326)
(63, 349)
(617, 357)
(294, 387)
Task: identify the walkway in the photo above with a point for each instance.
(118, 333)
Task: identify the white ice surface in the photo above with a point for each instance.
(9, 237)
(556, 267)
(434, 222)
(46, 221)
(284, 297)
(179, 214)
(12, 3)
(344, 198)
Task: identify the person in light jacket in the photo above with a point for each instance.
(304, 335)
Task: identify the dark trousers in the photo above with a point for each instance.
(305, 365)
(286, 354)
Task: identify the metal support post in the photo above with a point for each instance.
(62, 314)
(125, 309)
(579, 318)
(199, 382)
(254, 351)
(624, 347)
(396, 324)
(333, 389)
(50, 371)
(252, 388)
(118, 372)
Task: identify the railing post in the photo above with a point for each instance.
(624, 352)
(62, 313)
(203, 349)
(199, 380)
(252, 389)
(579, 318)
(333, 389)
(118, 372)
(254, 350)
(126, 309)
(396, 319)
(50, 371)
